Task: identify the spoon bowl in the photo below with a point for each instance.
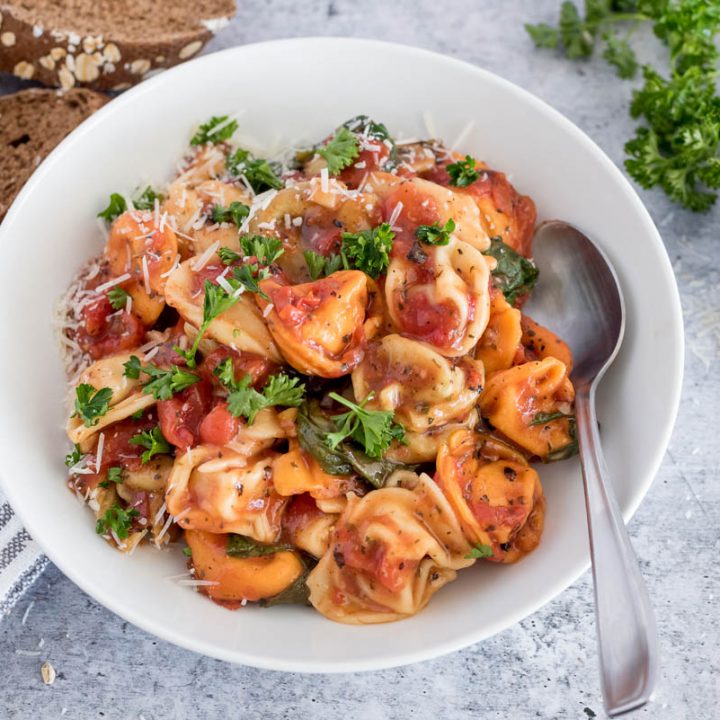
(579, 296)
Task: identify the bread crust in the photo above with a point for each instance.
(32, 123)
(67, 59)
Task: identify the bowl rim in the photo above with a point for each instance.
(437, 649)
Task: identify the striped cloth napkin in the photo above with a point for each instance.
(21, 560)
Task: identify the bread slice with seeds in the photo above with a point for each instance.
(103, 44)
(32, 123)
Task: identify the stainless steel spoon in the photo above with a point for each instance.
(578, 296)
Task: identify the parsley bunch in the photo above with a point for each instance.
(676, 148)
(245, 401)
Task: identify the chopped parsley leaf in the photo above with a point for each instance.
(91, 404)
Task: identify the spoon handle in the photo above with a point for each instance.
(627, 638)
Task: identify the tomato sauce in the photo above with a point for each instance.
(180, 416)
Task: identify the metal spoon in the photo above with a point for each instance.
(579, 297)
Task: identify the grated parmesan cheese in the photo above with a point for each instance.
(111, 283)
(202, 260)
(100, 447)
(146, 275)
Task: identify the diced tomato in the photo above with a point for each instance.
(301, 511)
(210, 272)
(257, 366)
(180, 417)
(106, 331)
(117, 449)
(219, 426)
(436, 324)
(320, 230)
(369, 160)
(371, 558)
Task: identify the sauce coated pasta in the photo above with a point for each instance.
(314, 373)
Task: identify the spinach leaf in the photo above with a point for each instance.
(298, 593)
(241, 546)
(514, 274)
(345, 459)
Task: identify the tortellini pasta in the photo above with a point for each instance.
(126, 398)
(531, 404)
(501, 341)
(495, 494)
(220, 491)
(320, 327)
(421, 387)
(390, 551)
(240, 327)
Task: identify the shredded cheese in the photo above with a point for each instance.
(202, 260)
(112, 283)
(146, 274)
(100, 447)
(395, 214)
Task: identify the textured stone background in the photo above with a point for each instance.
(545, 667)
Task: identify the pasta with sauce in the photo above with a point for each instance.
(316, 372)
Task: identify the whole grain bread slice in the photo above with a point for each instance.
(32, 123)
(103, 44)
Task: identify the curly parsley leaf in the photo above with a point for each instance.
(246, 547)
(74, 456)
(235, 213)
(368, 250)
(463, 173)
(620, 55)
(228, 256)
(117, 521)
(265, 249)
(216, 130)
(434, 234)
(313, 424)
(154, 442)
(479, 552)
(374, 430)
(260, 174)
(146, 200)
(322, 265)
(248, 276)
(216, 302)
(163, 383)
(116, 207)
(245, 401)
(117, 297)
(91, 404)
(340, 152)
(114, 475)
(514, 274)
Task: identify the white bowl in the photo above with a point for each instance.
(301, 89)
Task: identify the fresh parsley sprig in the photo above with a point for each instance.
(340, 152)
(116, 520)
(266, 249)
(463, 173)
(117, 205)
(434, 234)
(368, 250)
(74, 456)
(245, 401)
(154, 442)
(260, 174)
(322, 265)
(374, 430)
(91, 404)
(117, 298)
(216, 130)
(479, 552)
(216, 302)
(235, 212)
(163, 383)
(677, 146)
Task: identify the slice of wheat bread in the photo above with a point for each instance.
(103, 44)
(32, 123)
